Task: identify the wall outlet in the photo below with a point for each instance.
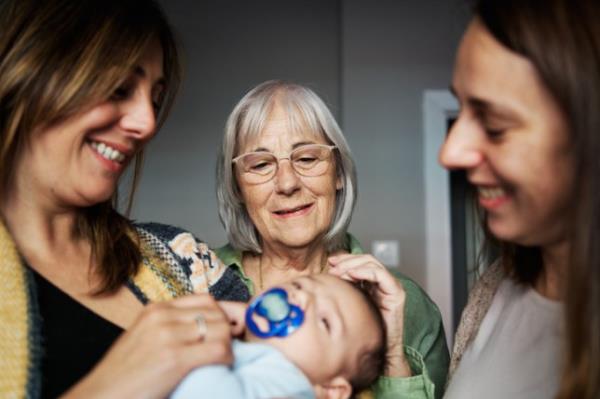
(387, 252)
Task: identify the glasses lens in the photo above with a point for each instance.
(311, 160)
(258, 166)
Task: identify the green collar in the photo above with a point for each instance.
(233, 258)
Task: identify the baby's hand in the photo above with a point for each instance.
(235, 312)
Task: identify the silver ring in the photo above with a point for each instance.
(201, 325)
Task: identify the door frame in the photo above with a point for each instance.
(438, 107)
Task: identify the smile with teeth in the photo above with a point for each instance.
(292, 210)
(491, 193)
(107, 152)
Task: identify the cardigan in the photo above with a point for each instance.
(424, 339)
(174, 263)
(480, 300)
(516, 352)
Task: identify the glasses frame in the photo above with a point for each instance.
(289, 158)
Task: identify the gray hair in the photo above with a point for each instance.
(304, 110)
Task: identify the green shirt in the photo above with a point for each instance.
(424, 339)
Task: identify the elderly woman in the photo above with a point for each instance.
(286, 189)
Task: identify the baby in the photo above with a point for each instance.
(336, 346)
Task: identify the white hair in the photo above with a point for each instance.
(305, 110)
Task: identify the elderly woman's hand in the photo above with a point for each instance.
(390, 297)
(165, 343)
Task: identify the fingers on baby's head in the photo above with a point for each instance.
(372, 360)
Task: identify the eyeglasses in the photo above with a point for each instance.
(309, 160)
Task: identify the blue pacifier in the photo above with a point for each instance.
(283, 317)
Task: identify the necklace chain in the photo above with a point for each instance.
(260, 272)
(260, 275)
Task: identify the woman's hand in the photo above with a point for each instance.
(236, 314)
(164, 344)
(390, 296)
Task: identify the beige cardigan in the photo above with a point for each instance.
(480, 299)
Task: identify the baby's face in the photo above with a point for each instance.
(337, 328)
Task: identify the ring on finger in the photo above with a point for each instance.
(201, 325)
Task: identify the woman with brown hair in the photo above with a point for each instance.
(527, 77)
(84, 86)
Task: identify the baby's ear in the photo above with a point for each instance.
(338, 388)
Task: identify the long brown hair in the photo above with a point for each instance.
(561, 38)
(58, 57)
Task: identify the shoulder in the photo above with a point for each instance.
(419, 308)
(480, 300)
(481, 297)
(232, 259)
(229, 255)
(482, 294)
(176, 245)
(353, 245)
(189, 260)
(160, 231)
(424, 336)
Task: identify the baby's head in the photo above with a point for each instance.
(341, 344)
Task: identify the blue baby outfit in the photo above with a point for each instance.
(259, 371)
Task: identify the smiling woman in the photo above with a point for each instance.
(84, 85)
(525, 181)
(286, 188)
(527, 77)
(287, 219)
(80, 159)
(279, 120)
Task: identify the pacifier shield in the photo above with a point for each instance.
(273, 306)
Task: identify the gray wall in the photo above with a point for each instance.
(370, 61)
(230, 46)
(391, 53)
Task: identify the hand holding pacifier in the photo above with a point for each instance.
(273, 306)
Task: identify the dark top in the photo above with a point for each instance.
(74, 338)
